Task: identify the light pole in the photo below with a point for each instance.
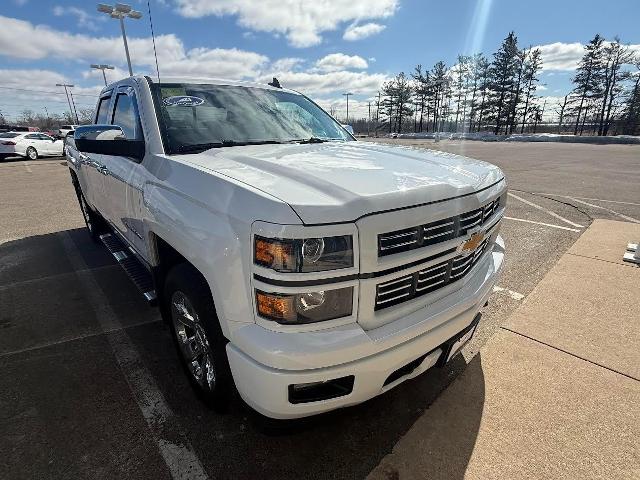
(103, 68)
(347, 95)
(65, 85)
(121, 11)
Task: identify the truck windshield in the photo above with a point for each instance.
(196, 117)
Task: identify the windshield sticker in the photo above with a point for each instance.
(183, 101)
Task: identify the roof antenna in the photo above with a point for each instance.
(275, 83)
(153, 37)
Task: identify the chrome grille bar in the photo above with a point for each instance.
(427, 280)
(436, 232)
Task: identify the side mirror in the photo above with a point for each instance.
(107, 140)
(348, 128)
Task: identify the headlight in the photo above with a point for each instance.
(304, 255)
(310, 307)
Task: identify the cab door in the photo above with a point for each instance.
(91, 174)
(125, 176)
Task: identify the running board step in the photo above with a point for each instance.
(136, 271)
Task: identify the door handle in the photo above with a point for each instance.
(103, 170)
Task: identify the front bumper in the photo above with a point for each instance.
(265, 363)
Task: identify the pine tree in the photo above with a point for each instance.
(533, 65)
(483, 71)
(631, 116)
(440, 92)
(615, 56)
(502, 78)
(421, 90)
(587, 80)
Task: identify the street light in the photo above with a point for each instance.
(347, 95)
(103, 68)
(121, 11)
(71, 109)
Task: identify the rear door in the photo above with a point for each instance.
(48, 145)
(32, 140)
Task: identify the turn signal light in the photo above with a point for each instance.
(276, 307)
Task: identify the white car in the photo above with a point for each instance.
(29, 144)
(65, 130)
(308, 269)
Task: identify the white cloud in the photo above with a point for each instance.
(357, 108)
(301, 21)
(561, 56)
(286, 64)
(34, 89)
(358, 32)
(566, 56)
(39, 41)
(321, 83)
(84, 19)
(339, 61)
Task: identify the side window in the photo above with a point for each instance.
(45, 137)
(124, 115)
(103, 111)
(32, 136)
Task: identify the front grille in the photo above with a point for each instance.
(427, 280)
(435, 232)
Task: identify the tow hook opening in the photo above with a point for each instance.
(317, 391)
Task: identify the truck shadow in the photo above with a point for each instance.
(347, 443)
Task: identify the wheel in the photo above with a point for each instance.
(196, 331)
(32, 153)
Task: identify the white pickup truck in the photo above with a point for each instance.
(305, 269)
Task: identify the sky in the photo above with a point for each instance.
(322, 48)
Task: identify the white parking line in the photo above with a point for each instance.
(553, 214)
(541, 223)
(508, 293)
(589, 198)
(621, 215)
(174, 446)
(28, 167)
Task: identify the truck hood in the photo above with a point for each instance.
(343, 181)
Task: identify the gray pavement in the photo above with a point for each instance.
(70, 410)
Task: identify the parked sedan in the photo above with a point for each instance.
(29, 144)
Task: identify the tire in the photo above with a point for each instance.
(32, 153)
(201, 345)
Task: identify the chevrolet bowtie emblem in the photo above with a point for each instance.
(471, 243)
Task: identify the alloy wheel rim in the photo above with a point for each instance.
(32, 154)
(192, 340)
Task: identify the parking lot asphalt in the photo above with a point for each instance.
(83, 359)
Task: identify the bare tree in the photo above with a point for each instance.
(559, 112)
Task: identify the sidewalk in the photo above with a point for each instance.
(556, 393)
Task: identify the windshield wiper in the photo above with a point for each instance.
(235, 143)
(198, 147)
(201, 147)
(311, 140)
